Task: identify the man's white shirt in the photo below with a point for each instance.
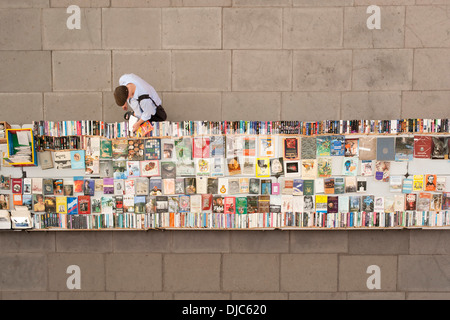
(142, 87)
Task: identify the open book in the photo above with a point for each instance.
(143, 130)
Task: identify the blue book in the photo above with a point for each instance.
(297, 188)
(72, 205)
(77, 159)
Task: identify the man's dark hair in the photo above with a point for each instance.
(121, 95)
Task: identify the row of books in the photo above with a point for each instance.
(190, 128)
(83, 204)
(290, 221)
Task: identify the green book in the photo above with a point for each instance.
(308, 187)
(241, 205)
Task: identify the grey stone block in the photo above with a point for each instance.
(382, 69)
(200, 241)
(57, 36)
(252, 28)
(262, 3)
(262, 70)
(384, 2)
(424, 273)
(80, 3)
(20, 29)
(192, 106)
(201, 70)
(310, 106)
(429, 242)
(376, 295)
(320, 3)
(31, 295)
(111, 112)
(428, 296)
(23, 272)
(431, 69)
(309, 272)
(21, 242)
(91, 271)
(79, 241)
(422, 29)
(79, 106)
(378, 242)
(133, 272)
(371, 105)
(322, 70)
(131, 28)
(137, 241)
(259, 241)
(24, 4)
(82, 71)
(146, 3)
(317, 296)
(191, 28)
(353, 274)
(21, 108)
(25, 71)
(191, 272)
(251, 272)
(262, 106)
(311, 241)
(436, 102)
(201, 296)
(259, 296)
(86, 296)
(153, 66)
(312, 28)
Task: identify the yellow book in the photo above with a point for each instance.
(61, 204)
(418, 182)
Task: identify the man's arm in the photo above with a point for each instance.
(138, 124)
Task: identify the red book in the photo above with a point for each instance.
(16, 185)
(229, 205)
(423, 145)
(84, 204)
(206, 202)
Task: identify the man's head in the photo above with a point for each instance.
(121, 95)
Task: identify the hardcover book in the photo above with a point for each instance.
(291, 148)
(423, 146)
(152, 149)
(386, 148)
(84, 204)
(367, 148)
(308, 148)
(323, 147)
(404, 148)
(337, 146)
(218, 205)
(440, 148)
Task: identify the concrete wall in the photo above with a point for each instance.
(226, 59)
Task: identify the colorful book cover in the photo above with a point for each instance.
(339, 185)
(218, 204)
(173, 202)
(206, 202)
(50, 204)
(410, 201)
(139, 204)
(244, 184)
(149, 168)
(266, 147)
(262, 167)
(84, 204)
(133, 168)
(423, 146)
(354, 203)
(184, 203)
(337, 146)
(119, 149)
(351, 147)
(323, 146)
(423, 201)
(404, 148)
(135, 150)
(329, 185)
(229, 203)
(351, 184)
(152, 149)
(16, 185)
(118, 203)
(266, 186)
(58, 186)
(96, 205)
(241, 205)
(440, 148)
(72, 205)
(89, 187)
(168, 186)
(321, 203)
(297, 187)
(183, 148)
(332, 204)
(367, 203)
(128, 203)
(105, 149)
(291, 148)
(382, 171)
(78, 184)
(212, 185)
(430, 182)
(190, 185)
(200, 148)
(350, 166)
(120, 169)
(61, 204)
(324, 166)
(263, 203)
(108, 185)
(407, 185)
(217, 147)
(418, 182)
(130, 186)
(308, 187)
(309, 168)
(252, 204)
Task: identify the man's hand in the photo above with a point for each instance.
(137, 125)
(125, 107)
